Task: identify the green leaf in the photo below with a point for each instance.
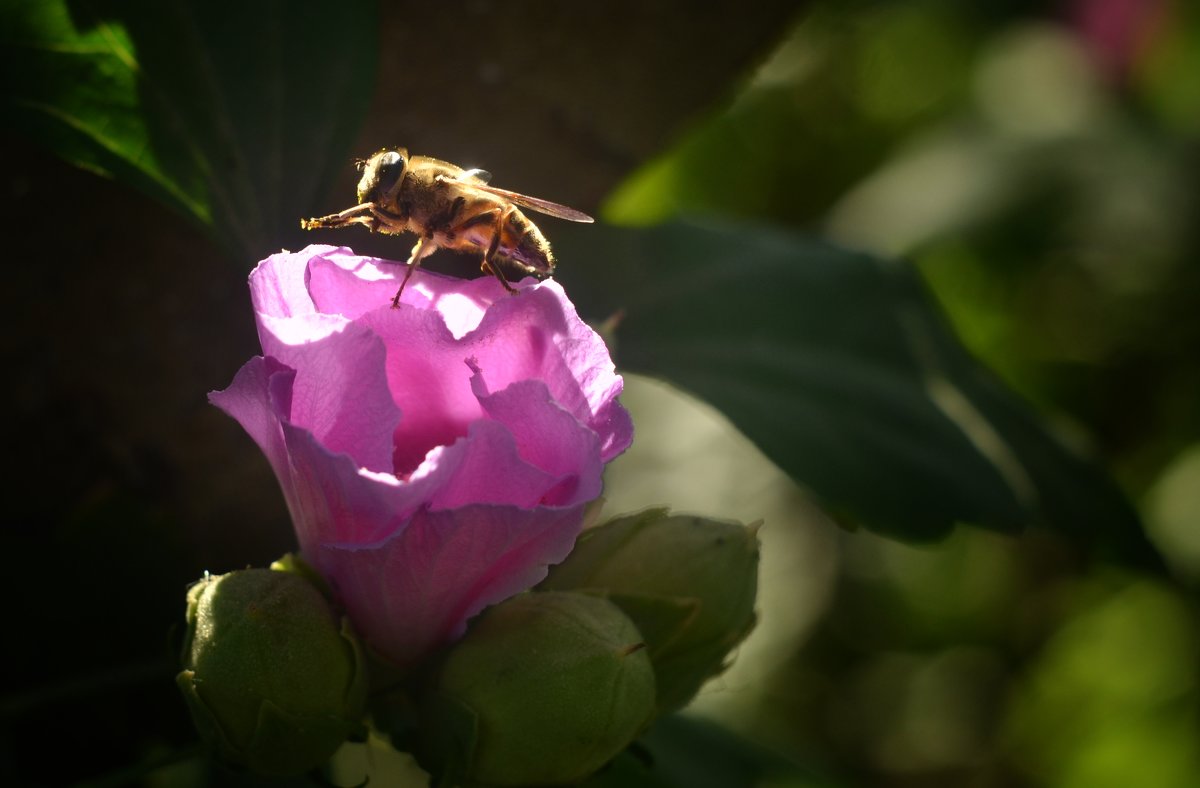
(234, 114)
(838, 366)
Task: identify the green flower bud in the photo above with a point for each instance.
(273, 679)
(543, 690)
(689, 584)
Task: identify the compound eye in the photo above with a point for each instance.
(390, 167)
(381, 177)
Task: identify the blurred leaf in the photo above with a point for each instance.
(235, 114)
(820, 113)
(1111, 699)
(684, 752)
(838, 366)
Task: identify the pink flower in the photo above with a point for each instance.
(1117, 33)
(435, 458)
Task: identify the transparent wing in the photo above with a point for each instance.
(536, 204)
(480, 175)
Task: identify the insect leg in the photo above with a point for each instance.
(488, 266)
(423, 248)
(359, 214)
(494, 270)
(496, 218)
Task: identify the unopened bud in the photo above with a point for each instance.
(689, 584)
(547, 688)
(273, 678)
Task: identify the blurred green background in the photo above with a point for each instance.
(1039, 167)
(1037, 164)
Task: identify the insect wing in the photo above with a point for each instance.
(483, 176)
(535, 204)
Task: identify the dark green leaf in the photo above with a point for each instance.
(841, 370)
(235, 114)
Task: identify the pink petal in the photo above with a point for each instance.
(334, 501)
(461, 303)
(341, 392)
(250, 400)
(547, 436)
(435, 457)
(417, 589)
(428, 380)
(486, 467)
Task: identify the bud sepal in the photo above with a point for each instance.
(688, 583)
(274, 679)
(544, 689)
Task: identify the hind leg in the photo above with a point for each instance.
(496, 218)
(489, 266)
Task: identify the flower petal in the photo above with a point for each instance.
(435, 457)
(259, 399)
(471, 469)
(547, 436)
(417, 589)
(427, 379)
(461, 303)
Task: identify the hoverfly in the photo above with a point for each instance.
(447, 206)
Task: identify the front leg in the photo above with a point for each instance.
(363, 213)
(423, 248)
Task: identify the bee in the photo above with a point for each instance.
(452, 208)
